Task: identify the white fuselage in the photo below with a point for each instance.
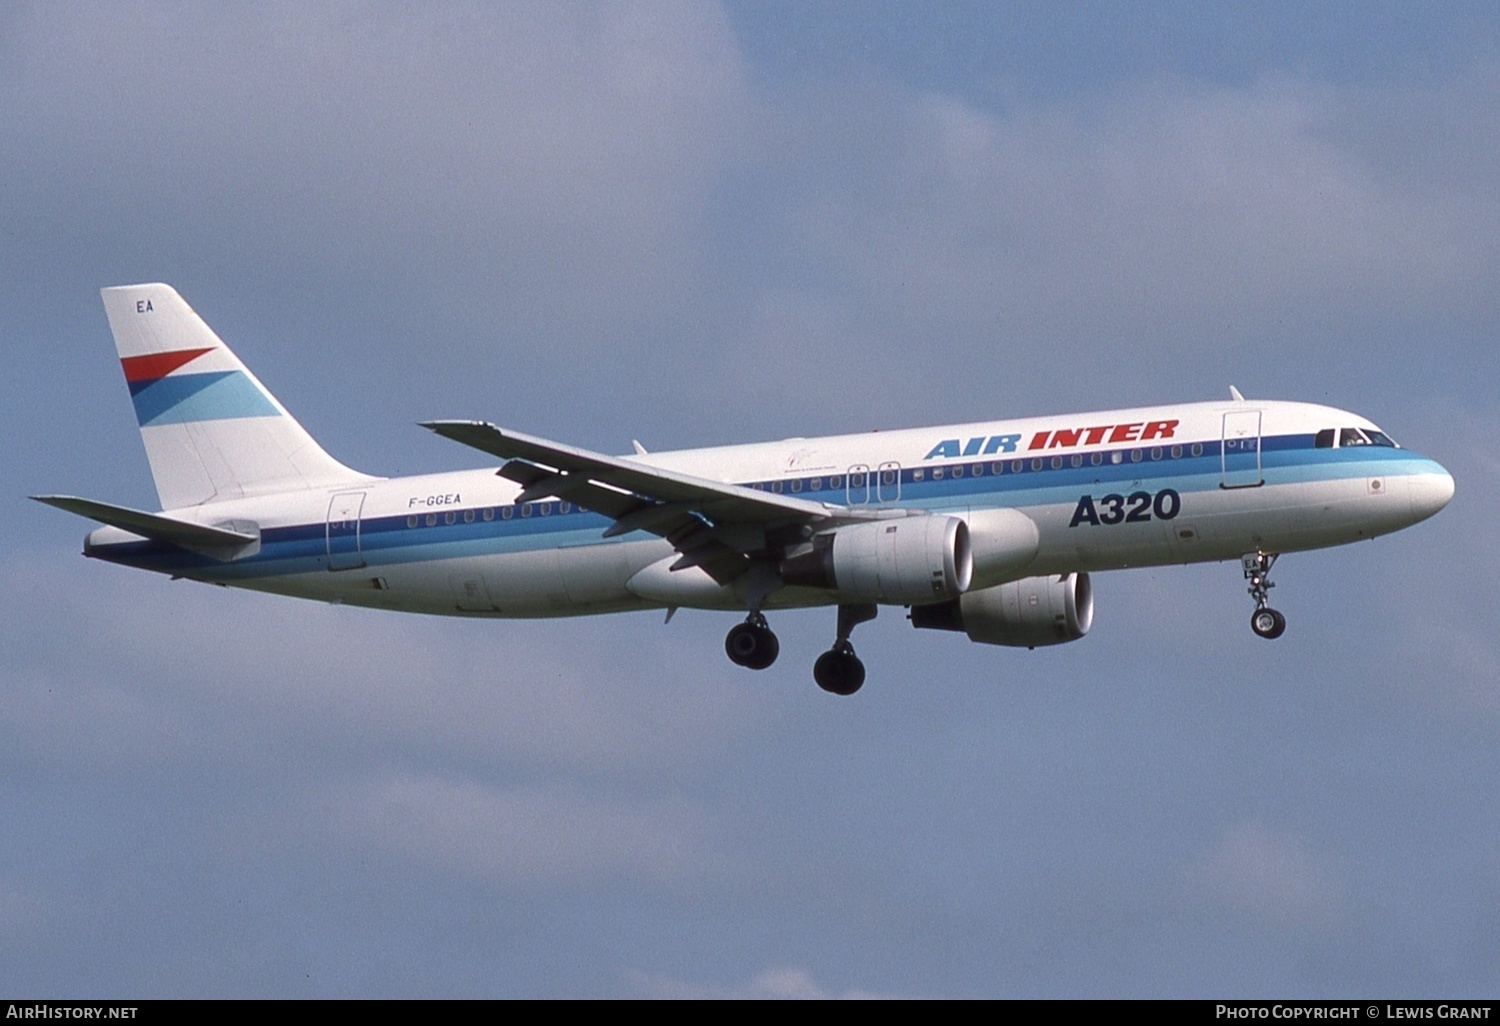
(1170, 484)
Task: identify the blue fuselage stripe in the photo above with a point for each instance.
(407, 538)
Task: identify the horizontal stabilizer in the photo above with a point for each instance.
(152, 525)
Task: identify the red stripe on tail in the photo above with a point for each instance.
(158, 365)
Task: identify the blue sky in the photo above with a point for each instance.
(694, 224)
(1048, 52)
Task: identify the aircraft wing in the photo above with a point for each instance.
(713, 524)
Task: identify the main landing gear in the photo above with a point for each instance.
(752, 644)
(1265, 621)
(839, 671)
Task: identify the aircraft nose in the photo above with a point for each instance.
(1430, 491)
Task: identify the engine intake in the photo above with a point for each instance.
(1030, 612)
(901, 561)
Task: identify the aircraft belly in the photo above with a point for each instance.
(540, 583)
(596, 575)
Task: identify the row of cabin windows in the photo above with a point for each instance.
(857, 480)
(888, 477)
(1095, 459)
(527, 509)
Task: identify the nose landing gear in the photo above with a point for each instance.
(1265, 621)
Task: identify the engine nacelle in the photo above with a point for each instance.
(901, 561)
(1030, 612)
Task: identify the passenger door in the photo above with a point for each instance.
(343, 531)
(1239, 459)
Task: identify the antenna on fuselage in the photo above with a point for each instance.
(1234, 394)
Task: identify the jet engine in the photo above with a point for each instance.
(900, 561)
(1032, 611)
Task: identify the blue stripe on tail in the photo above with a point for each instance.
(184, 398)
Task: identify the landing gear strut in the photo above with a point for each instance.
(752, 644)
(1265, 621)
(839, 670)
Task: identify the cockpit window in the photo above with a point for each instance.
(1342, 437)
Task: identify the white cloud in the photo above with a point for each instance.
(548, 168)
(1130, 239)
(497, 193)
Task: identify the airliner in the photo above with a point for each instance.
(989, 529)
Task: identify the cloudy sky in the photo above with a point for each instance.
(704, 223)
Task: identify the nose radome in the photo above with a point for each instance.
(1429, 492)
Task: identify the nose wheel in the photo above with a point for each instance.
(752, 644)
(1268, 623)
(1265, 621)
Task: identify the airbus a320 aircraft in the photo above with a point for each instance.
(991, 529)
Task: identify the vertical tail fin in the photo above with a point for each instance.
(211, 429)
